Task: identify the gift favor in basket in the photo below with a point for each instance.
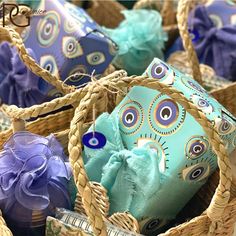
(136, 167)
(132, 161)
(20, 210)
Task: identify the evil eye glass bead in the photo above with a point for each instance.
(194, 35)
(94, 140)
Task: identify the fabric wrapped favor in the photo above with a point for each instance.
(153, 163)
(179, 60)
(213, 28)
(34, 179)
(18, 85)
(67, 41)
(140, 38)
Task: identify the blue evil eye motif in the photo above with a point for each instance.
(48, 62)
(196, 147)
(48, 29)
(71, 48)
(165, 115)
(131, 117)
(95, 58)
(151, 225)
(202, 103)
(81, 70)
(194, 34)
(217, 21)
(197, 172)
(163, 73)
(94, 140)
(193, 85)
(224, 126)
(54, 93)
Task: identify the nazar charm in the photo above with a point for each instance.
(157, 156)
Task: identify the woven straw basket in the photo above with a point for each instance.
(217, 219)
(57, 123)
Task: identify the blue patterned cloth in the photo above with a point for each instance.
(18, 85)
(66, 40)
(215, 24)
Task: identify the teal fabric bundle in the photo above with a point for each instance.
(140, 38)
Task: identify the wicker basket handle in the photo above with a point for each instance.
(167, 9)
(222, 194)
(69, 99)
(10, 35)
(182, 19)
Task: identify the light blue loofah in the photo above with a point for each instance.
(140, 38)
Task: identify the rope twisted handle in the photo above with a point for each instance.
(57, 103)
(167, 9)
(182, 19)
(9, 34)
(75, 155)
(222, 194)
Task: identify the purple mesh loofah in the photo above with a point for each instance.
(34, 178)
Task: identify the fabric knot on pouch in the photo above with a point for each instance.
(215, 23)
(18, 85)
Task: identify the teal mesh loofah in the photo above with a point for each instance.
(140, 38)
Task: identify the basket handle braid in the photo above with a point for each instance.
(182, 19)
(57, 103)
(222, 193)
(167, 10)
(75, 155)
(9, 34)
